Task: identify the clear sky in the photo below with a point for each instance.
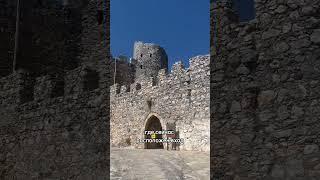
(181, 27)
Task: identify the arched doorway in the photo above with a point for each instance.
(153, 124)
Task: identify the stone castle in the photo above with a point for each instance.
(160, 100)
(264, 92)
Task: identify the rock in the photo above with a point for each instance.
(266, 97)
(265, 18)
(284, 133)
(266, 115)
(300, 92)
(271, 33)
(277, 171)
(269, 129)
(294, 15)
(312, 148)
(283, 112)
(294, 168)
(281, 9)
(275, 64)
(235, 107)
(286, 27)
(317, 167)
(281, 47)
(249, 56)
(222, 108)
(276, 78)
(284, 76)
(292, 4)
(315, 36)
(269, 145)
(296, 28)
(242, 70)
(307, 10)
(233, 140)
(218, 65)
(299, 58)
(217, 77)
(300, 44)
(247, 38)
(234, 60)
(297, 111)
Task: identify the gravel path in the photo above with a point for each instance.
(157, 164)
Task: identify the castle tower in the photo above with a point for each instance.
(149, 59)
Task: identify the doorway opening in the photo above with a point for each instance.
(153, 124)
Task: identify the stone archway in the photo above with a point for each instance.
(153, 124)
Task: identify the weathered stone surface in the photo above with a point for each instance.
(300, 43)
(312, 148)
(266, 97)
(294, 168)
(307, 10)
(281, 47)
(283, 133)
(281, 9)
(283, 112)
(271, 33)
(54, 124)
(235, 107)
(179, 100)
(266, 115)
(283, 115)
(243, 70)
(297, 111)
(315, 36)
(277, 172)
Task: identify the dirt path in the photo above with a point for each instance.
(155, 164)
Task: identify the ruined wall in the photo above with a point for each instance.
(265, 92)
(180, 97)
(54, 127)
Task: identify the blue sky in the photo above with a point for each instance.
(181, 27)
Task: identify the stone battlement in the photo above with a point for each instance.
(179, 100)
(178, 74)
(23, 87)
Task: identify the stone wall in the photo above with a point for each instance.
(180, 97)
(53, 36)
(56, 126)
(265, 92)
(54, 135)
